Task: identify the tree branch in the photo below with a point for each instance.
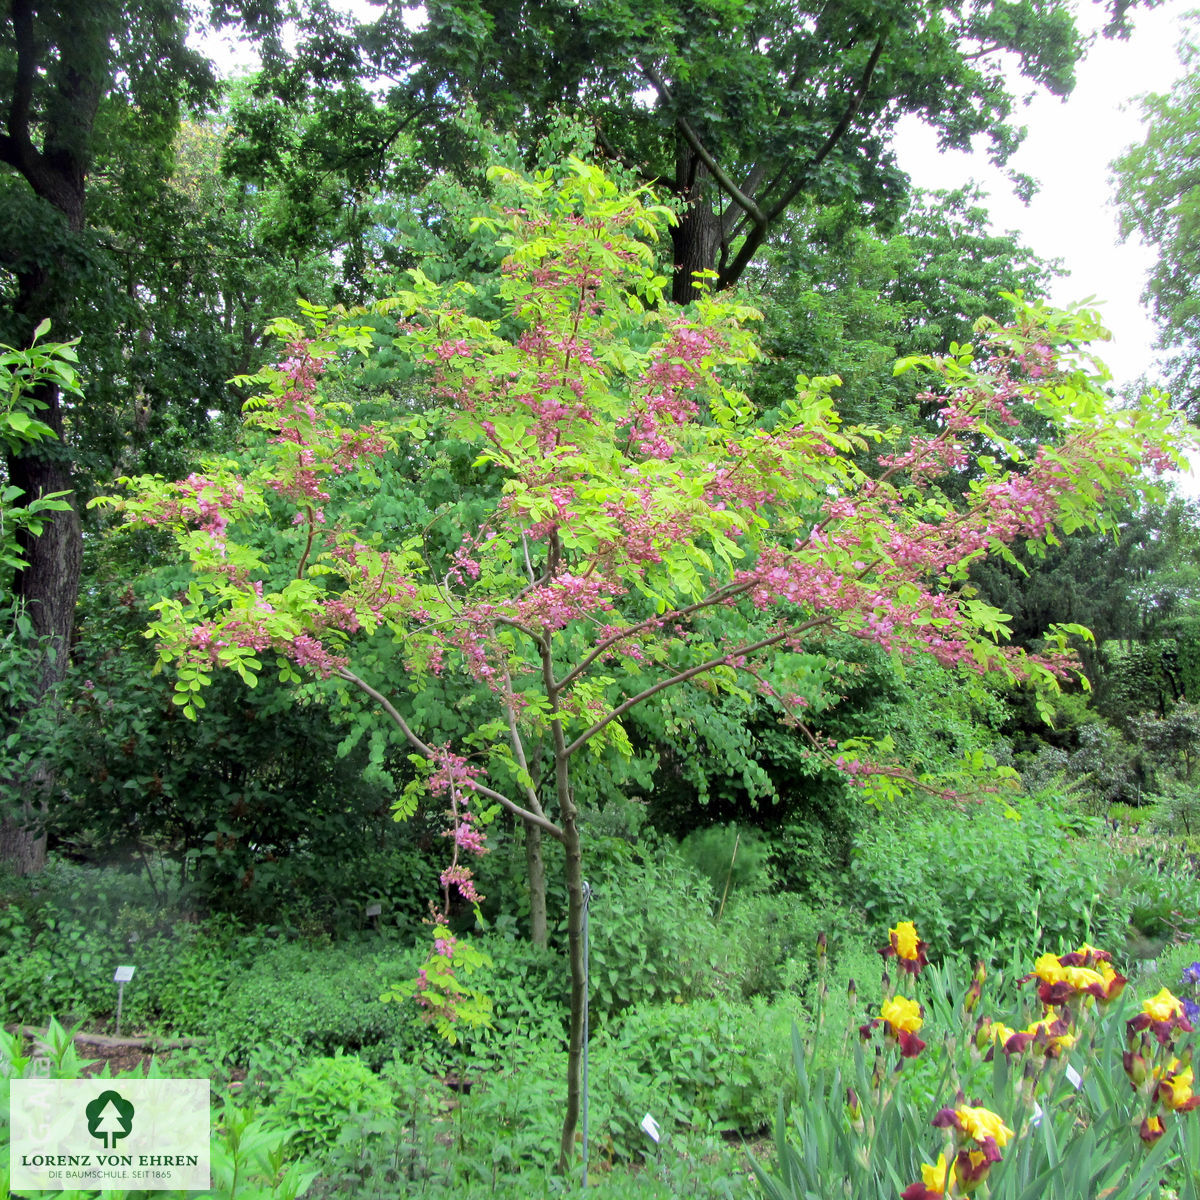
(428, 751)
(720, 596)
(757, 235)
(724, 181)
(16, 148)
(517, 745)
(691, 673)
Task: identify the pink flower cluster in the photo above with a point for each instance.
(565, 598)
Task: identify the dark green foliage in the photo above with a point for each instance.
(843, 299)
(982, 877)
(1132, 585)
(320, 1001)
(785, 103)
(271, 819)
(729, 858)
(74, 926)
(529, 989)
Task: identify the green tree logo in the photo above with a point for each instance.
(109, 1117)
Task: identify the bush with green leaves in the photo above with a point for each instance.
(731, 857)
(990, 875)
(77, 924)
(707, 1065)
(316, 1103)
(528, 986)
(651, 934)
(769, 944)
(320, 1001)
(1158, 884)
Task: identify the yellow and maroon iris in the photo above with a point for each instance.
(903, 1020)
(1175, 1087)
(1152, 1129)
(906, 947)
(1085, 971)
(937, 1180)
(1163, 1015)
(982, 1125)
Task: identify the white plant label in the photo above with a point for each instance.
(650, 1125)
(124, 974)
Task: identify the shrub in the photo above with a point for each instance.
(769, 943)
(990, 875)
(707, 1065)
(729, 857)
(651, 934)
(320, 1002)
(319, 1100)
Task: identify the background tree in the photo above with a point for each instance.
(741, 111)
(841, 298)
(79, 85)
(1158, 196)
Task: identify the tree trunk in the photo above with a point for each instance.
(46, 587)
(574, 875)
(79, 72)
(697, 238)
(22, 847)
(535, 866)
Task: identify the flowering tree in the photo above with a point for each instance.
(649, 530)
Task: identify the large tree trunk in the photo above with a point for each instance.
(47, 588)
(697, 238)
(47, 143)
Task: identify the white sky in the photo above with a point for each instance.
(1068, 149)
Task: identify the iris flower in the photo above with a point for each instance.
(1175, 1087)
(937, 1180)
(903, 1020)
(906, 947)
(1163, 1014)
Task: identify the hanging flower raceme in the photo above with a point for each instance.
(906, 947)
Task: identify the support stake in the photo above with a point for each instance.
(587, 900)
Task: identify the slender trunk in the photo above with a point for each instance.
(574, 876)
(535, 866)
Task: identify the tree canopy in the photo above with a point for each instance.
(739, 110)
